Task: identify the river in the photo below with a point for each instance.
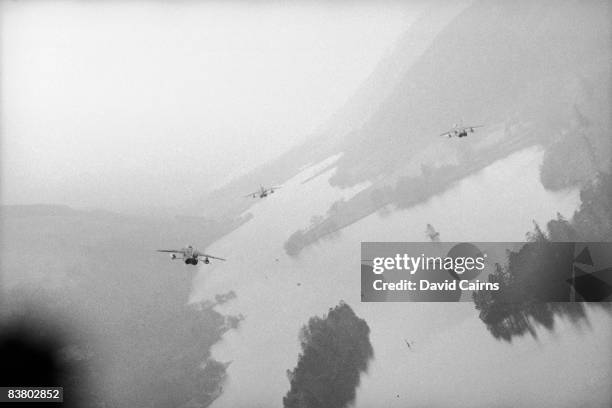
(454, 361)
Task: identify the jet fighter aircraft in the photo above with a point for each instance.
(263, 192)
(460, 131)
(190, 255)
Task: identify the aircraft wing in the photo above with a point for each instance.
(212, 257)
(252, 194)
(445, 134)
(175, 251)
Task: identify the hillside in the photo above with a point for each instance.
(359, 108)
(508, 79)
(495, 63)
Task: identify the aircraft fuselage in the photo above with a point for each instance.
(191, 256)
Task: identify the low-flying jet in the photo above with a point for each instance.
(460, 131)
(263, 192)
(190, 255)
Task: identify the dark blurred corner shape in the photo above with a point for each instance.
(38, 350)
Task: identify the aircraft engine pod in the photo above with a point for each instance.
(173, 256)
(206, 261)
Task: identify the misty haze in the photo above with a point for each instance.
(279, 136)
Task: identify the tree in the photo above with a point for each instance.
(336, 349)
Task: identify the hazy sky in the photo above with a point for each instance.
(127, 104)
